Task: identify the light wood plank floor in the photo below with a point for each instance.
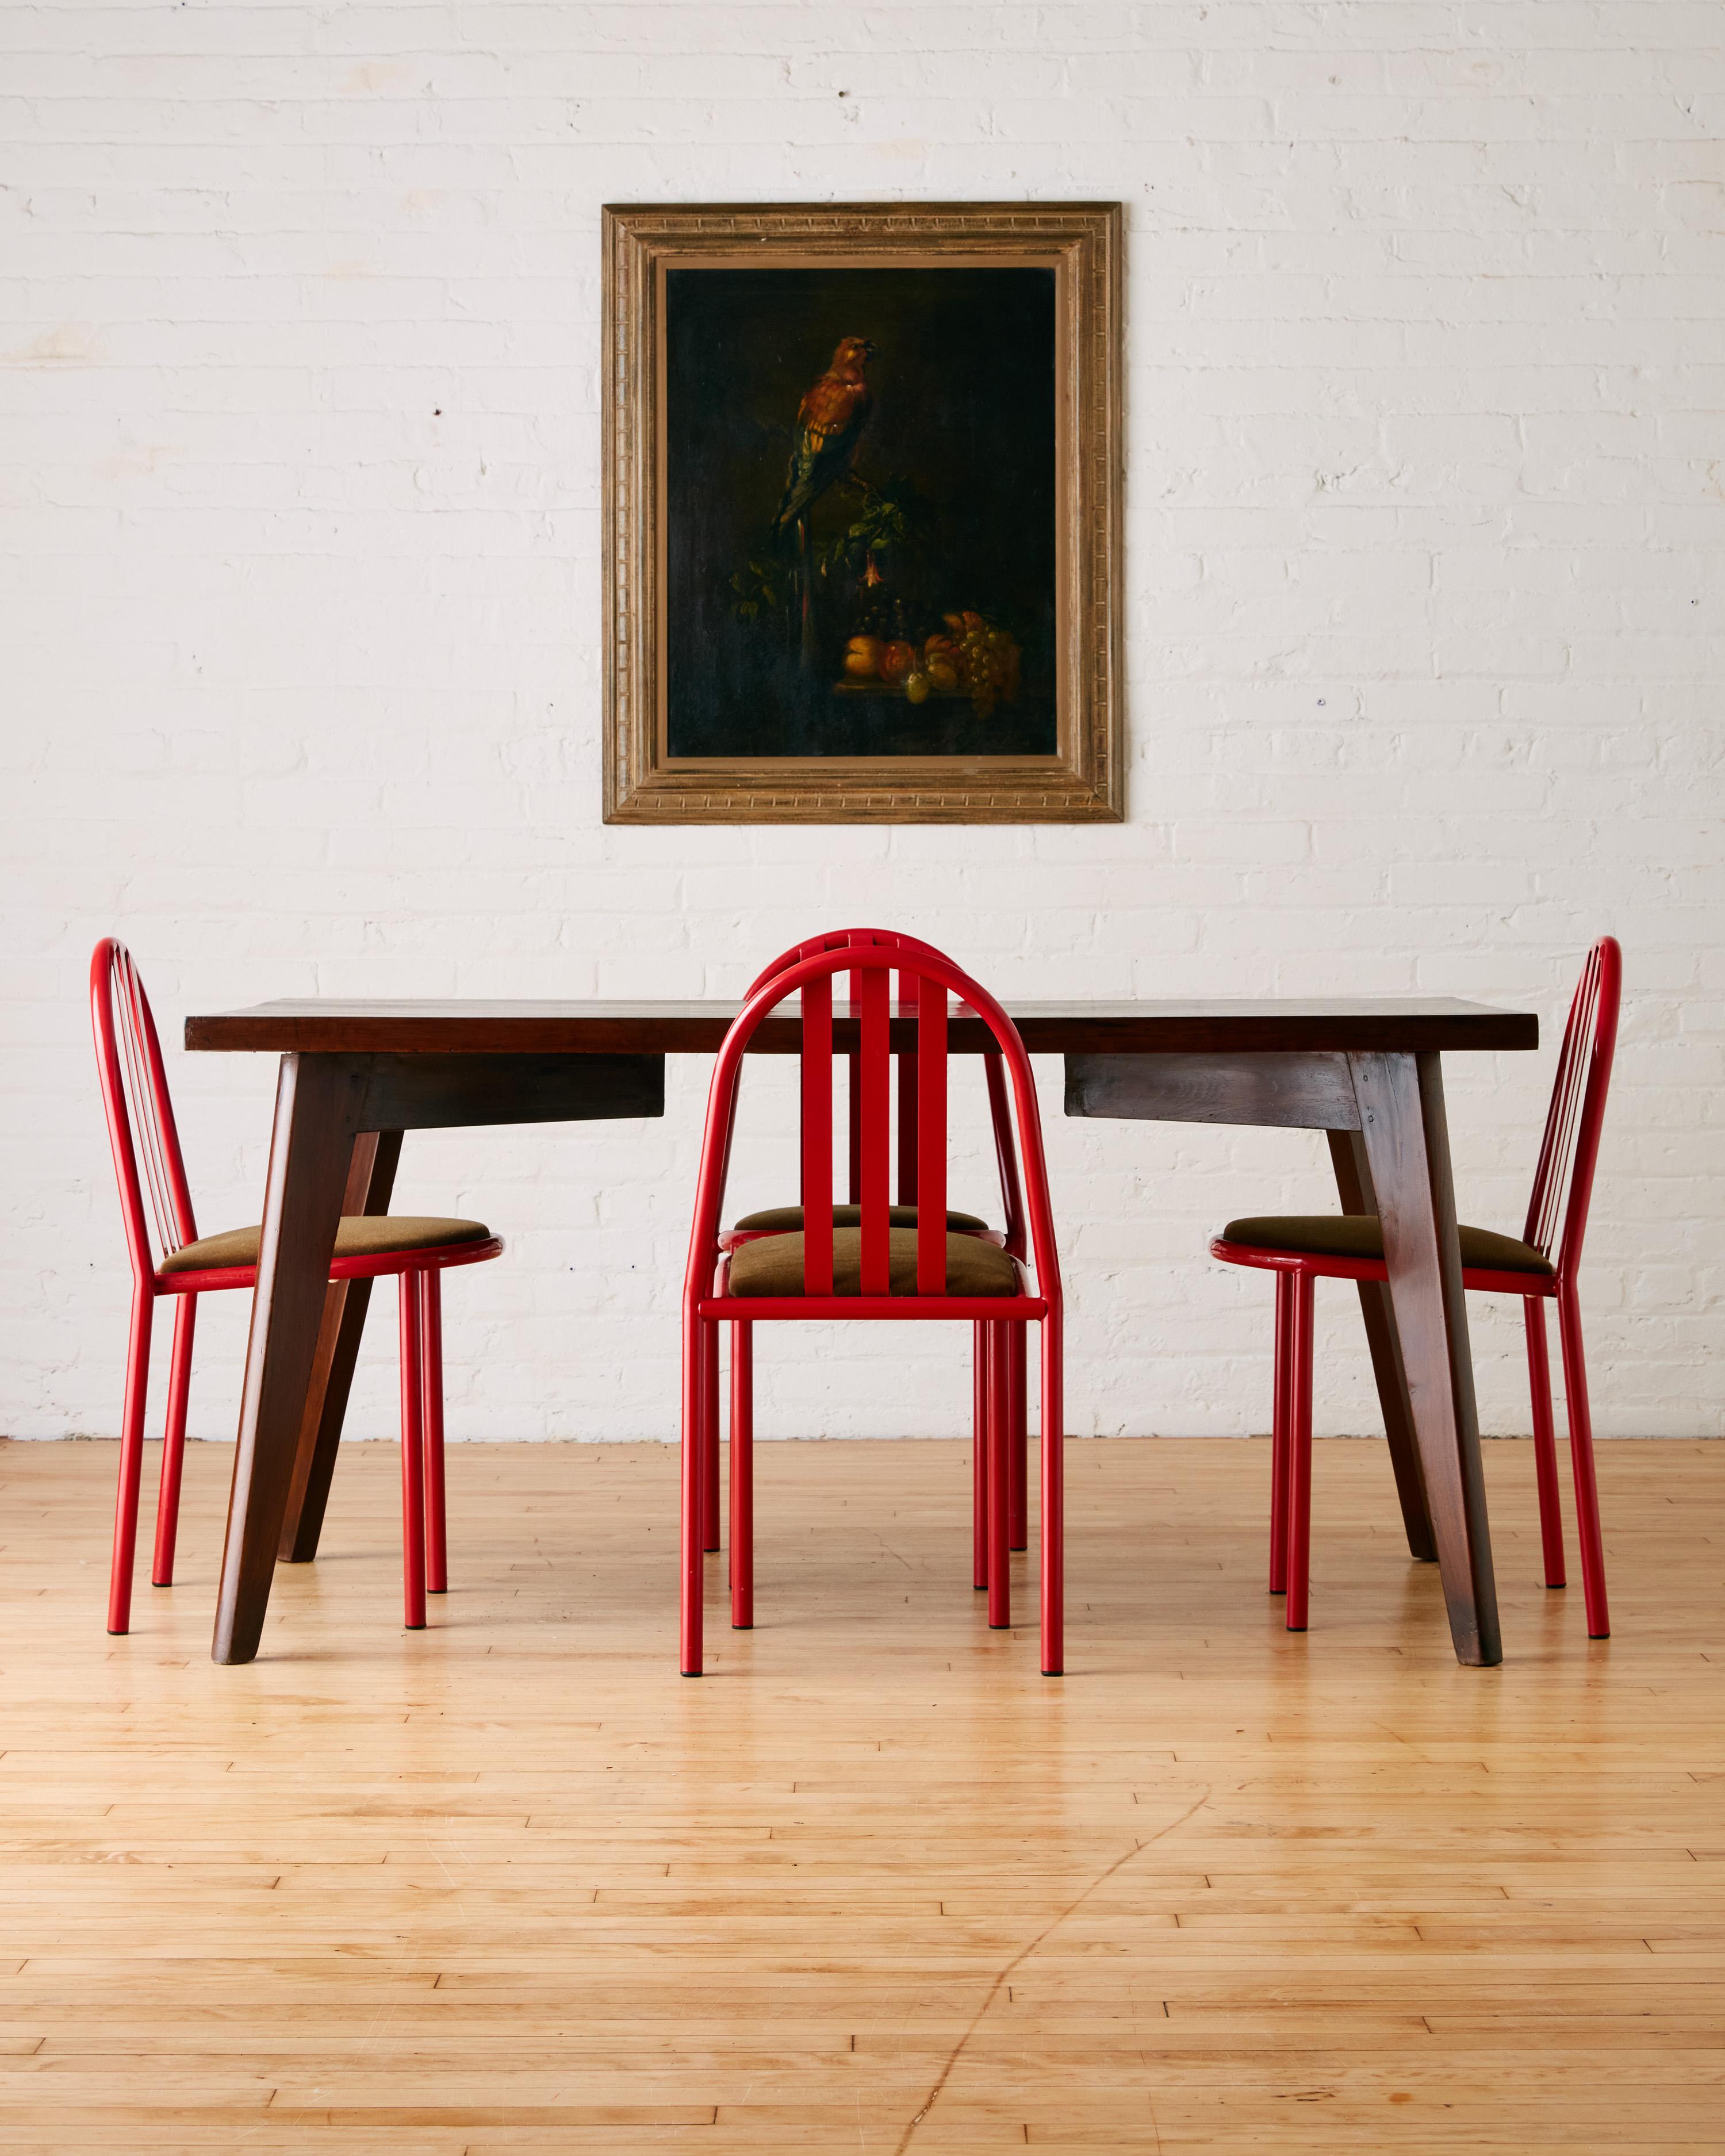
(873, 1884)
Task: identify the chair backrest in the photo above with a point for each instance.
(140, 1117)
(926, 980)
(1564, 1181)
(1005, 1154)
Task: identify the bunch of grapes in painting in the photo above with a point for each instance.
(987, 658)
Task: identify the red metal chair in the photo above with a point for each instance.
(135, 1094)
(788, 1219)
(871, 1270)
(1300, 1250)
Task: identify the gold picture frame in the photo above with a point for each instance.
(720, 751)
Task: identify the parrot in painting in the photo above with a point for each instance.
(829, 423)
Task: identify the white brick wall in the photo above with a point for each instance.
(299, 513)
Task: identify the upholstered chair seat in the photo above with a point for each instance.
(361, 1235)
(773, 1265)
(1358, 1235)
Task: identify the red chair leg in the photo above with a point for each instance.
(742, 1476)
(431, 1395)
(709, 1455)
(131, 1462)
(1054, 1500)
(700, 1471)
(1545, 1448)
(174, 1443)
(999, 1476)
(979, 1459)
(1279, 1436)
(413, 1462)
(1018, 1523)
(1300, 1451)
(1581, 1465)
(694, 1451)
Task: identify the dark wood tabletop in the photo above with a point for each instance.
(1300, 1024)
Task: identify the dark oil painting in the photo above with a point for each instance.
(861, 498)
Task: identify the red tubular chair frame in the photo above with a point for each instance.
(1011, 1238)
(139, 1113)
(1555, 1226)
(869, 958)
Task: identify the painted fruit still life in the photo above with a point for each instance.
(861, 511)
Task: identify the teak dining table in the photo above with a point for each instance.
(355, 1076)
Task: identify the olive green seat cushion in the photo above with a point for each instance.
(361, 1235)
(786, 1219)
(773, 1265)
(1358, 1235)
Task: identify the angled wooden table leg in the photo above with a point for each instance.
(370, 1181)
(316, 1111)
(1354, 1185)
(1401, 1103)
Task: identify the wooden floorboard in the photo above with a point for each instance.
(512, 1885)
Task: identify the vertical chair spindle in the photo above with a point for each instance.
(908, 990)
(929, 1094)
(818, 1136)
(870, 991)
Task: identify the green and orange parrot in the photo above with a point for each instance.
(829, 423)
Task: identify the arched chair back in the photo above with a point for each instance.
(908, 1084)
(154, 1195)
(926, 982)
(1564, 1180)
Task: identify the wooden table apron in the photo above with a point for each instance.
(355, 1077)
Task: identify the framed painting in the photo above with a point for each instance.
(862, 513)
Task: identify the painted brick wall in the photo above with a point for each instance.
(299, 515)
